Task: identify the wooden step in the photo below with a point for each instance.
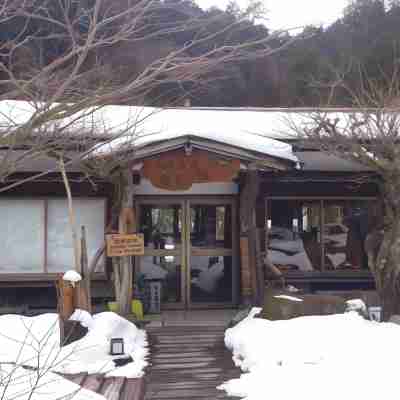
(188, 363)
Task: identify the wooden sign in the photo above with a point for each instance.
(120, 245)
(176, 170)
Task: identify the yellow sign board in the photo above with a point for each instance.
(120, 245)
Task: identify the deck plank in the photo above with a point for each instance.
(188, 363)
(112, 388)
(93, 382)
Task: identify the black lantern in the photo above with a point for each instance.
(117, 347)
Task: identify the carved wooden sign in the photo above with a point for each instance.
(120, 245)
(176, 170)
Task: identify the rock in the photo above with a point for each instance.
(73, 331)
(239, 316)
(120, 362)
(395, 319)
(358, 306)
(283, 305)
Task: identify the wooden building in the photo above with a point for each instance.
(218, 194)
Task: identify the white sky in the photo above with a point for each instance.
(283, 14)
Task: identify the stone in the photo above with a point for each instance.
(288, 305)
(239, 316)
(73, 331)
(395, 319)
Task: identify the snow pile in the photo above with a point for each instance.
(340, 356)
(30, 354)
(72, 276)
(91, 353)
(29, 341)
(22, 384)
(356, 305)
(290, 298)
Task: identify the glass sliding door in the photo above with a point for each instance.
(163, 229)
(211, 233)
(189, 248)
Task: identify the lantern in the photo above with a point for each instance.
(117, 346)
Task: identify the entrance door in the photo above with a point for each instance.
(190, 247)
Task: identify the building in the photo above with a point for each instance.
(208, 185)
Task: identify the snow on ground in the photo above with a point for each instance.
(333, 357)
(91, 353)
(18, 383)
(34, 342)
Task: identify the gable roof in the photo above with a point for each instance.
(252, 134)
(143, 127)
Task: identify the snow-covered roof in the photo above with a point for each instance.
(253, 131)
(320, 161)
(260, 131)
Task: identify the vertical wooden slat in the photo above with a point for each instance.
(245, 268)
(186, 281)
(259, 268)
(235, 252)
(45, 235)
(322, 234)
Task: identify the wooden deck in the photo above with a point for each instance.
(111, 388)
(188, 363)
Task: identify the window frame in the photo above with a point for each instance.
(44, 273)
(321, 200)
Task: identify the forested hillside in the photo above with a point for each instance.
(364, 44)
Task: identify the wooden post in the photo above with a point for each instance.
(84, 294)
(245, 274)
(126, 224)
(65, 294)
(250, 264)
(65, 304)
(260, 270)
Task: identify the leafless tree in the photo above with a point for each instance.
(69, 58)
(369, 134)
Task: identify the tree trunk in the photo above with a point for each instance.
(383, 250)
(71, 215)
(390, 299)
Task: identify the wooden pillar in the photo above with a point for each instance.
(252, 276)
(245, 274)
(126, 224)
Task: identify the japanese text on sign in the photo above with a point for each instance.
(120, 245)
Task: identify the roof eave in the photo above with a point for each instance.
(261, 160)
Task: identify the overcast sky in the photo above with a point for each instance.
(284, 14)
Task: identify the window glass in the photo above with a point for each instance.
(299, 240)
(22, 236)
(211, 226)
(345, 230)
(166, 269)
(211, 279)
(89, 213)
(161, 226)
(294, 237)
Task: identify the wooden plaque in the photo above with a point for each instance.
(175, 170)
(120, 245)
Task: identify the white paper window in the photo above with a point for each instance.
(88, 212)
(21, 236)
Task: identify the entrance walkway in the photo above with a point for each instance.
(188, 361)
(216, 318)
